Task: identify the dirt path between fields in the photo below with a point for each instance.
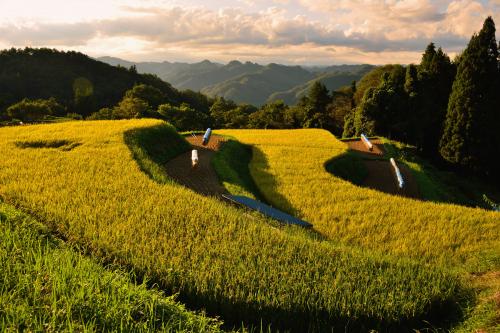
(202, 179)
(358, 146)
(381, 175)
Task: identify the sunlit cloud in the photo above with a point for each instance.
(286, 31)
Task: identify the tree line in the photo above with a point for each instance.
(448, 109)
(79, 84)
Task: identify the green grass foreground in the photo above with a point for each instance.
(217, 257)
(47, 286)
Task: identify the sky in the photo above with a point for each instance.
(302, 32)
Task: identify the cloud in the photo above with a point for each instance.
(403, 10)
(405, 19)
(273, 27)
(465, 17)
(226, 26)
(358, 27)
(70, 34)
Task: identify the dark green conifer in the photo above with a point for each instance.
(435, 79)
(471, 135)
(317, 101)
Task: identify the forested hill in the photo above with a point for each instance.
(248, 82)
(333, 78)
(255, 88)
(80, 83)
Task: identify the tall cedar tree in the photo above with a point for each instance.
(435, 77)
(413, 91)
(471, 136)
(341, 105)
(317, 101)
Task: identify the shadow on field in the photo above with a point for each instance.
(373, 171)
(152, 147)
(231, 163)
(348, 166)
(255, 316)
(269, 182)
(64, 145)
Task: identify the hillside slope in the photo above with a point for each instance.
(177, 73)
(254, 88)
(248, 82)
(288, 167)
(45, 73)
(100, 185)
(198, 80)
(333, 80)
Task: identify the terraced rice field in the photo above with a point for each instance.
(103, 187)
(47, 286)
(288, 167)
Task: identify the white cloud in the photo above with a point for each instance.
(366, 30)
(464, 17)
(70, 34)
(405, 18)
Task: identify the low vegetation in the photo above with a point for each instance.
(45, 285)
(231, 263)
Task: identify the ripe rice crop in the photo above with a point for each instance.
(45, 286)
(114, 200)
(288, 167)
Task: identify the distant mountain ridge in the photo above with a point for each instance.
(248, 82)
(333, 80)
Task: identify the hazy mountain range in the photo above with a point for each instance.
(247, 82)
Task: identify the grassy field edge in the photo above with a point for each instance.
(48, 286)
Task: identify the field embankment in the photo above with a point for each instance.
(202, 178)
(376, 170)
(288, 167)
(105, 190)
